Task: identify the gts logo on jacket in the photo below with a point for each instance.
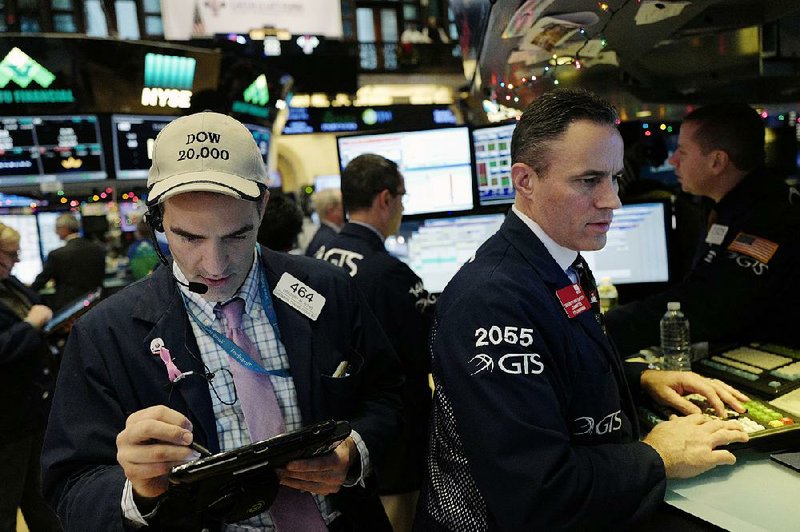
(341, 257)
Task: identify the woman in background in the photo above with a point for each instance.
(26, 384)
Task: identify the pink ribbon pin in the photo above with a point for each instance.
(157, 348)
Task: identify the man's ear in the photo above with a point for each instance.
(524, 179)
(719, 161)
(262, 206)
(383, 198)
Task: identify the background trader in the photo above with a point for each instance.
(372, 191)
(750, 257)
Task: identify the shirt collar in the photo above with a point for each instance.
(371, 228)
(564, 257)
(249, 290)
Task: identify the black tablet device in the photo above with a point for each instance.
(71, 311)
(308, 442)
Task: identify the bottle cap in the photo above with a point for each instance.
(674, 305)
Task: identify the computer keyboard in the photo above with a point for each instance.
(765, 369)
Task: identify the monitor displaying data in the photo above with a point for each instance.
(436, 249)
(492, 147)
(435, 164)
(321, 182)
(636, 249)
(49, 240)
(30, 258)
(41, 149)
(133, 137)
(262, 136)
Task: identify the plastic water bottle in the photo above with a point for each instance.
(675, 343)
(608, 295)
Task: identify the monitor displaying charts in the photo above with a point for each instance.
(41, 149)
(492, 147)
(636, 248)
(435, 164)
(30, 258)
(133, 137)
(436, 248)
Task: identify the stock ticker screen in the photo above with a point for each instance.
(40, 149)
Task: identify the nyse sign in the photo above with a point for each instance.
(174, 98)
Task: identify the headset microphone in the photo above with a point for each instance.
(155, 221)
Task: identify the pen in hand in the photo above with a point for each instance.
(200, 449)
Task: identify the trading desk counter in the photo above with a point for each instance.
(756, 494)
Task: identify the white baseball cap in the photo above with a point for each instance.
(205, 152)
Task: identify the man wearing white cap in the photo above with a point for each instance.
(219, 348)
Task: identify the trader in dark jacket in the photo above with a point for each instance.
(750, 258)
(328, 205)
(160, 365)
(26, 384)
(77, 268)
(372, 192)
(534, 425)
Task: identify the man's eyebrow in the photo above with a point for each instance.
(188, 234)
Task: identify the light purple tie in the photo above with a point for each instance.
(292, 510)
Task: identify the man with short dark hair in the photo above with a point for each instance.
(328, 206)
(77, 267)
(534, 425)
(282, 222)
(372, 192)
(750, 258)
(218, 348)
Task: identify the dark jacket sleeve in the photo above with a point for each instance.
(48, 272)
(513, 424)
(81, 477)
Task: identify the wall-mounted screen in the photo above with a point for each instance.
(492, 147)
(321, 182)
(49, 240)
(435, 164)
(636, 248)
(436, 248)
(39, 149)
(133, 137)
(30, 259)
(129, 215)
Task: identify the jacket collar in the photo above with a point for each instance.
(365, 233)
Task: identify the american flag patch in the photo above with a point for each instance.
(760, 249)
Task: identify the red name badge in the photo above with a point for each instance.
(573, 300)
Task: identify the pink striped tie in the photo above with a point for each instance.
(292, 510)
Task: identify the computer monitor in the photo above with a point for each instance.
(129, 215)
(48, 239)
(40, 149)
(435, 164)
(30, 259)
(133, 137)
(436, 248)
(321, 182)
(636, 250)
(492, 148)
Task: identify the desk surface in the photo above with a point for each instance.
(756, 494)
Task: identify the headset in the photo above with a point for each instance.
(155, 219)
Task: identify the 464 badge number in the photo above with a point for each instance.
(301, 291)
(509, 334)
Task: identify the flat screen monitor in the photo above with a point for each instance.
(636, 249)
(48, 239)
(436, 248)
(435, 164)
(30, 258)
(40, 149)
(133, 137)
(492, 148)
(322, 182)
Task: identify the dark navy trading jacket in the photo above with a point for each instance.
(533, 423)
(108, 372)
(322, 238)
(404, 309)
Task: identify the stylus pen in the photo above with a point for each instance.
(200, 449)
